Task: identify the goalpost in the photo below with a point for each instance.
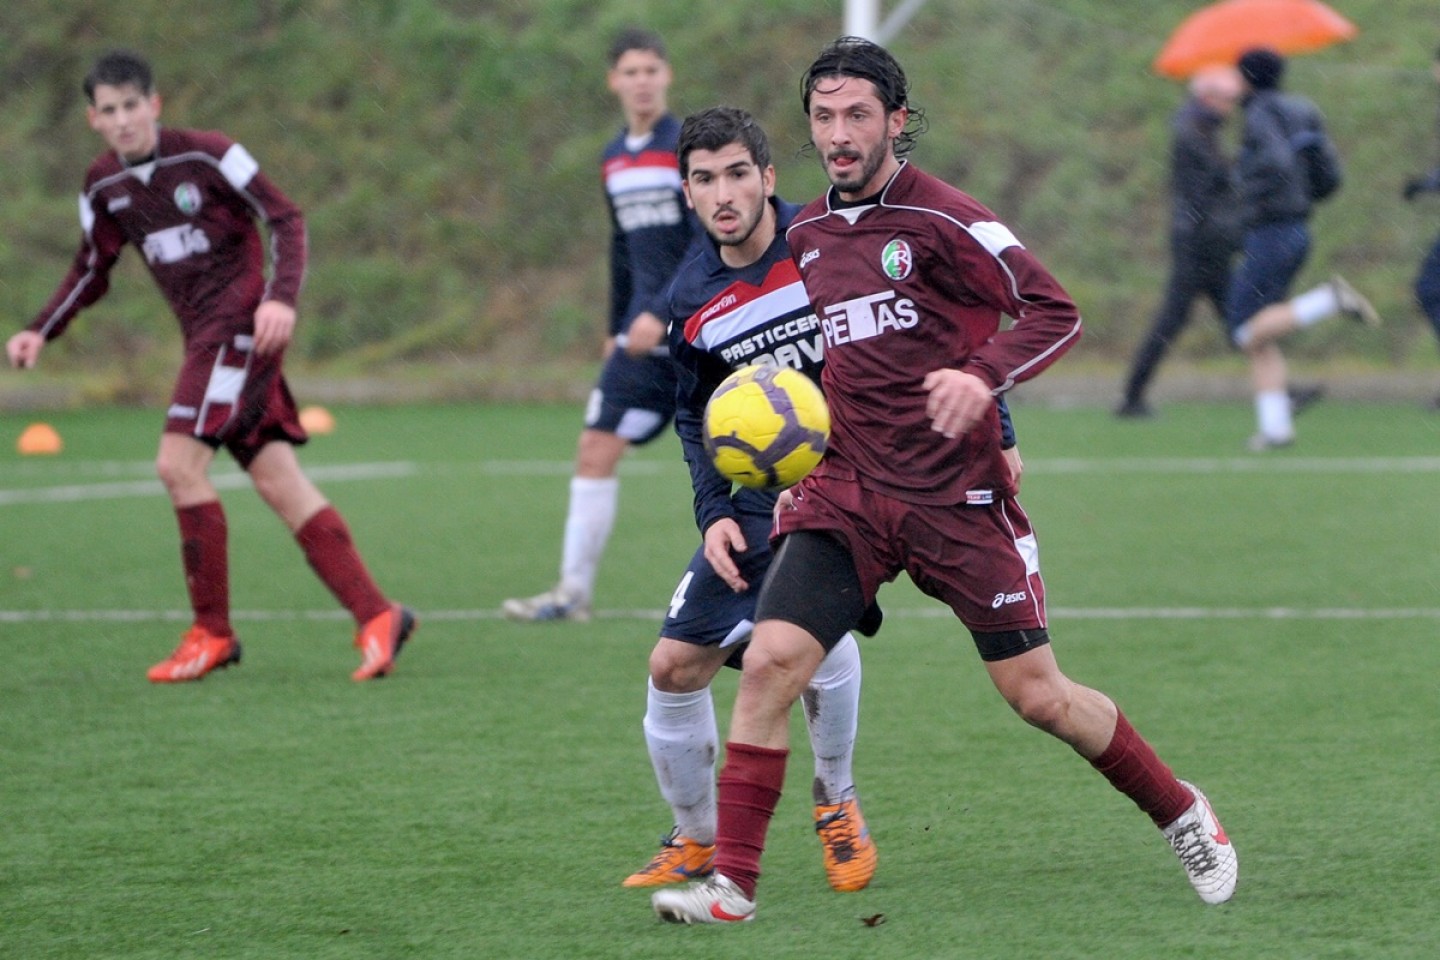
(862, 19)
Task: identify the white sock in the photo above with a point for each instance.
(1312, 306)
(683, 741)
(587, 529)
(1272, 413)
(832, 712)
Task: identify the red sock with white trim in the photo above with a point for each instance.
(1132, 767)
(747, 791)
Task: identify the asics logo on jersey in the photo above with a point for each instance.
(897, 260)
(175, 244)
(1003, 598)
(866, 317)
(807, 257)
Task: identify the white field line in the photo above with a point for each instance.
(918, 613)
(117, 489)
(230, 480)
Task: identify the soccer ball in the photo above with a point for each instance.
(766, 427)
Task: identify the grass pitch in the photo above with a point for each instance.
(1268, 622)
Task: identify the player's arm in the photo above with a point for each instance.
(656, 253)
(1008, 278)
(289, 253)
(87, 280)
(1009, 443)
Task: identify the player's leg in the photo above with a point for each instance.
(630, 405)
(1257, 317)
(1010, 635)
(382, 627)
(706, 626)
(797, 623)
(262, 436)
(1093, 725)
(683, 742)
(183, 464)
(206, 389)
(1181, 289)
(832, 716)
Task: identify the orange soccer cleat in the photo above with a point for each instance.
(680, 859)
(380, 640)
(850, 854)
(200, 651)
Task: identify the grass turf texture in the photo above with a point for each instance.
(487, 800)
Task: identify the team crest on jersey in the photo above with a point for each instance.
(897, 260)
(187, 198)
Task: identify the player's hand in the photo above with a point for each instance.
(645, 334)
(723, 539)
(24, 348)
(957, 401)
(1017, 466)
(274, 326)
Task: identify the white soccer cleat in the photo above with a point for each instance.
(1353, 303)
(716, 900)
(1205, 852)
(556, 604)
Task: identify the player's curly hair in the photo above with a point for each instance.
(867, 60)
(718, 127)
(119, 68)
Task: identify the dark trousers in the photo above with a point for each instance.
(1198, 267)
(1427, 286)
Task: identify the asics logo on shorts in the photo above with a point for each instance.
(1003, 598)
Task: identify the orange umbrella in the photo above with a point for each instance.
(1222, 31)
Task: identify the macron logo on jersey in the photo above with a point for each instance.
(866, 317)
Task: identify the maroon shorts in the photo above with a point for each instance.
(981, 560)
(227, 396)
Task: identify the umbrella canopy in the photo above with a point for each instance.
(1222, 31)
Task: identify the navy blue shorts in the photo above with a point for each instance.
(704, 610)
(1271, 256)
(635, 397)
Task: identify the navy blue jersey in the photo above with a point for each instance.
(721, 319)
(652, 225)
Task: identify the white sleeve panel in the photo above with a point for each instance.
(87, 215)
(238, 166)
(994, 236)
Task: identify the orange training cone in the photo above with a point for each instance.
(317, 420)
(39, 438)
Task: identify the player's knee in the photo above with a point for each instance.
(177, 474)
(1041, 704)
(672, 672)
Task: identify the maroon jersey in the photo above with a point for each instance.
(912, 283)
(191, 212)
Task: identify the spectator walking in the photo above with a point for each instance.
(1204, 224)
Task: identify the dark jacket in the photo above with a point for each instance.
(1273, 186)
(1202, 184)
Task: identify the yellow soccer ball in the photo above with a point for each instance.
(766, 427)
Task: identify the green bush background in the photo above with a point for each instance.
(446, 155)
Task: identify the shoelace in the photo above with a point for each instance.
(838, 831)
(1190, 846)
